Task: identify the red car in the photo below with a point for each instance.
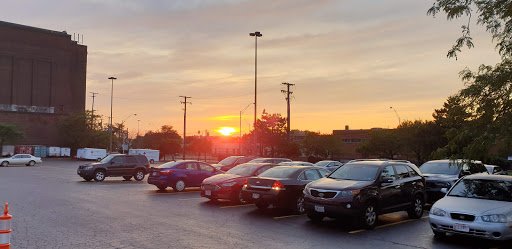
(229, 185)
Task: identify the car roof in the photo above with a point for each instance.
(454, 160)
(261, 164)
(489, 177)
(379, 162)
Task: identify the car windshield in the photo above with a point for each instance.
(483, 189)
(107, 159)
(168, 165)
(356, 172)
(278, 172)
(228, 160)
(441, 168)
(244, 169)
(322, 163)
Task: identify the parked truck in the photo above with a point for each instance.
(152, 155)
(91, 154)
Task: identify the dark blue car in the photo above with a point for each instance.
(181, 174)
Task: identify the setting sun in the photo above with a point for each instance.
(226, 131)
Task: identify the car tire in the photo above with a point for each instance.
(179, 186)
(139, 175)
(87, 179)
(261, 204)
(161, 188)
(31, 163)
(370, 215)
(5, 164)
(299, 205)
(127, 177)
(99, 175)
(416, 210)
(315, 217)
(238, 197)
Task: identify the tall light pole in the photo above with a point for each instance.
(138, 127)
(111, 101)
(240, 141)
(256, 35)
(399, 122)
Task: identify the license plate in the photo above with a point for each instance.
(461, 227)
(208, 192)
(320, 209)
(255, 195)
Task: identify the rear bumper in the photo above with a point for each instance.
(278, 198)
(223, 193)
(160, 181)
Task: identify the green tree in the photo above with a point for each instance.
(495, 15)
(82, 130)
(383, 143)
(420, 139)
(288, 149)
(199, 145)
(9, 133)
(167, 140)
(271, 131)
(321, 145)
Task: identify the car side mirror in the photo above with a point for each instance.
(465, 172)
(444, 190)
(387, 180)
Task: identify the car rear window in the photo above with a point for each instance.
(441, 168)
(244, 169)
(168, 165)
(279, 172)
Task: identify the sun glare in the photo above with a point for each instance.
(226, 131)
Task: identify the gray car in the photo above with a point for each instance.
(477, 206)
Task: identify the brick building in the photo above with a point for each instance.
(42, 78)
(351, 139)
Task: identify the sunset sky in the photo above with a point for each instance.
(349, 60)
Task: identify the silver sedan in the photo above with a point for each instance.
(26, 159)
(477, 206)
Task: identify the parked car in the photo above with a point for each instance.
(270, 160)
(232, 161)
(365, 189)
(115, 165)
(281, 186)
(328, 164)
(495, 170)
(20, 159)
(477, 206)
(181, 174)
(444, 173)
(229, 185)
(296, 163)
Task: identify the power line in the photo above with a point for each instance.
(288, 93)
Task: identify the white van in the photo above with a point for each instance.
(91, 154)
(152, 155)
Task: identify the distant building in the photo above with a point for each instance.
(351, 139)
(42, 78)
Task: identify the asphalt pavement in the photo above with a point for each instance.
(53, 207)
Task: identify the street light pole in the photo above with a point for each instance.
(256, 35)
(138, 127)
(240, 141)
(122, 125)
(399, 122)
(111, 103)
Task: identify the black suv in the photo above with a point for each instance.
(116, 165)
(365, 189)
(444, 173)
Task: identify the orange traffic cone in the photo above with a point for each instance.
(5, 228)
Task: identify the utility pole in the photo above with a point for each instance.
(288, 93)
(185, 124)
(92, 114)
(256, 35)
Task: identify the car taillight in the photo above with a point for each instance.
(149, 164)
(166, 172)
(245, 183)
(278, 186)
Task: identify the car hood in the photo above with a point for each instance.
(440, 177)
(221, 178)
(336, 184)
(473, 206)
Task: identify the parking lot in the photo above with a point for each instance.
(53, 207)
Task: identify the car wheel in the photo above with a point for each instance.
(31, 163)
(299, 205)
(87, 179)
(314, 216)
(127, 177)
(162, 188)
(5, 164)
(369, 216)
(416, 210)
(99, 175)
(238, 197)
(179, 186)
(262, 204)
(139, 175)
